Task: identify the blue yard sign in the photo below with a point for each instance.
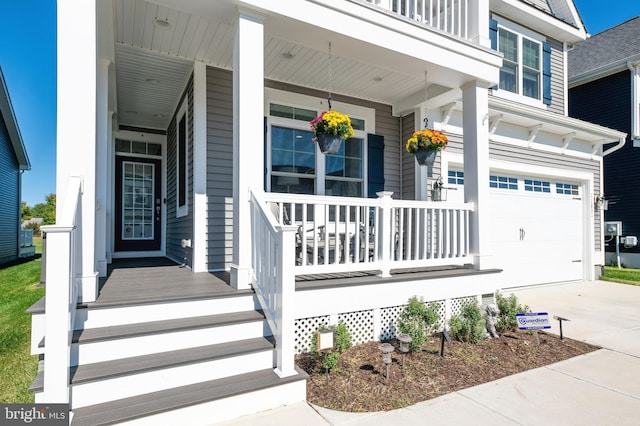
(533, 321)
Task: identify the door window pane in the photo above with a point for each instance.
(137, 201)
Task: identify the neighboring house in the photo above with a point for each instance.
(604, 88)
(197, 115)
(13, 161)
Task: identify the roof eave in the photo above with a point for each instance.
(6, 109)
(604, 71)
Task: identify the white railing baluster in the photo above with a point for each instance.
(451, 16)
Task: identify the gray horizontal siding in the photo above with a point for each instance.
(219, 168)
(557, 77)
(179, 228)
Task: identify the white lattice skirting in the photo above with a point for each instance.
(371, 324)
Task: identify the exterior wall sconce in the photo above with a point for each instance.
(387, 350)
(405, 341)
(601, 202)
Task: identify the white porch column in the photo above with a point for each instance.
(103, 138)
(200, 202)
(479, 22)
(421, 172)
(76, 122)
(248, 136)
(475, 122)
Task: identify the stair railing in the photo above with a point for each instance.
(64, 260)
(273, 260)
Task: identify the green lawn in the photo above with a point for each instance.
(37, 241)
(623, 275)
(17, 293)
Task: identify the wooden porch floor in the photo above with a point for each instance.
(149, 280)
(152, 280)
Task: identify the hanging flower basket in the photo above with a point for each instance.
(425, 145)
(426, 157)
(329, 129)
(329, 144)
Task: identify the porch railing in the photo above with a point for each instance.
(451, 16)
(26, 237)
(273, 253)
(341, 234)
(64, 254)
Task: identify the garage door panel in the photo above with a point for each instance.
(536, 238)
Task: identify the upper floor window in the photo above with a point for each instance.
(522, 68)
(526, 66)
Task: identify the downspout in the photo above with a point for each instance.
(634, 100)
(614, 148)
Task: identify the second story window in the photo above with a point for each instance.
(525, 75)
(521, 69)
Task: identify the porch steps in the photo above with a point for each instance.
(209, 402)
(110, 380)
(172, 362)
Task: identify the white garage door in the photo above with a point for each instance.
(537, 229)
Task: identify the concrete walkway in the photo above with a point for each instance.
(599, 388)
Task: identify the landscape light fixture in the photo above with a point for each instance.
(387, 350)
(405, 341)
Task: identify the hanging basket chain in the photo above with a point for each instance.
(329, 99)
(426, 119)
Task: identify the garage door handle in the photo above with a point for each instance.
(522, 234)
(576, 261)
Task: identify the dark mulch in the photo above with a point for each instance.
(359, 383)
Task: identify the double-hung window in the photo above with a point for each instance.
(522, 66)
(295, 164)
(526, 66)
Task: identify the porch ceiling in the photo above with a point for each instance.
(153, 62)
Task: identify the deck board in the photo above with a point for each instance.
(149, 280)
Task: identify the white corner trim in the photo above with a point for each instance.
(200, 201)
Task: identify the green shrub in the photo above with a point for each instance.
(342, 342)
(418, 321)
(468, 326)
(509, 307)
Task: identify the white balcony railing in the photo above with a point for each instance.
(64, 254)
(451, 16)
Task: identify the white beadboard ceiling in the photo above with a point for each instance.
(153, 64)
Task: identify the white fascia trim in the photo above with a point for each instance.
(497, 105)
(540, 20)
(375, 25)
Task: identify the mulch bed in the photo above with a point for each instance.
(359, 383)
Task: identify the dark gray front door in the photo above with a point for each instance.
(138, 204)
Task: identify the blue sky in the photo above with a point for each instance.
(28, 61)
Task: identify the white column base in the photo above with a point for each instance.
(240, 278)
(89, 288)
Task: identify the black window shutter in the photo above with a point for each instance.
(375, 164)
(493, 36)
(493, 33)
(546, 73)
(264, 145)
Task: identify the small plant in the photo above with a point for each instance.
(418, 321)
(509, 307)
(342, 342)
(332, 123)
(468, 326)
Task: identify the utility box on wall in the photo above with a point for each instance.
(613, 228)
